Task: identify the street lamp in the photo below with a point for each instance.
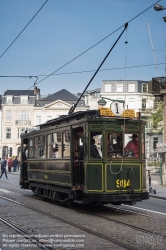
(102, 101)
(159, 7)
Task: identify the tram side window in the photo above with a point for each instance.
(96, 145)
(113, 145)
(31, 151)
(131, 145)
(66, 144)
(54, 148)
(40, 147)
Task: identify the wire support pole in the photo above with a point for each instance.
(75, 105)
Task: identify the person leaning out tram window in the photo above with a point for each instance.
(93, 149)
(131, 149)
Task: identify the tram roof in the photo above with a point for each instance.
(80, 115)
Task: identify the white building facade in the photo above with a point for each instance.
(23, 110)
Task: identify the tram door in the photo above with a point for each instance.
(78, 157)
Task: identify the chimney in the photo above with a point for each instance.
(35, 90)
(38, 96)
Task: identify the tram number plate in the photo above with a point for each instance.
(122, 183)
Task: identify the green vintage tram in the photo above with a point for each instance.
(83, 158)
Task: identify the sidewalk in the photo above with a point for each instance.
(156, 184)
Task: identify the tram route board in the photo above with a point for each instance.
(108, 112)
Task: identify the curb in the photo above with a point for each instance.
(157, 197)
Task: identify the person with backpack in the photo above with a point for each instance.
(3, 164)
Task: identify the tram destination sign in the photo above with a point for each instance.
(108, 112)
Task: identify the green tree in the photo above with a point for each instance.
(157, 117)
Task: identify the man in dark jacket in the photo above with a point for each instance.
(94, 152)
(15, 164)
(3, 164)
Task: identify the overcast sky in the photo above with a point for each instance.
(63, 29)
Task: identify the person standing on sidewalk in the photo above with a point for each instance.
(3, 164)
(10, 164)
(15, 164)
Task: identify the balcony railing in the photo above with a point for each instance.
(23, 122)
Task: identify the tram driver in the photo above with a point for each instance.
(131, 149)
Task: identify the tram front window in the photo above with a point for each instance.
(113, 145)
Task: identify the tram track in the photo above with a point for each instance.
(109, 206)
(31, 240)
(88, 230)
(124, 224)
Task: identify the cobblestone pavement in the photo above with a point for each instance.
(36, 223)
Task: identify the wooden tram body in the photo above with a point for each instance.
(48, 165)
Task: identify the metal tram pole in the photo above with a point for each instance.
(75, 105)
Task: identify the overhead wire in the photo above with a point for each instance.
(53, 73)
(89, 71)
(99, 42)
(23, 29)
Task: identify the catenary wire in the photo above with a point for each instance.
(98, 42)
(91, 48)
(23, 29)
(89, 71)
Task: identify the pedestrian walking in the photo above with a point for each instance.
(18, 166)
(3, 164)
(15, 164)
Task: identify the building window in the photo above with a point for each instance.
(21, 131)
(8, 115)
(119, 87)
(8, 133)
(143, 104)
(155, 141)
(23, 115)
(38, 119)
(49, 118)
(145, 88)
(107, 87)
(19, 151)
(9, 99)
(24, 99)
(131, 88)
(5, 152)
